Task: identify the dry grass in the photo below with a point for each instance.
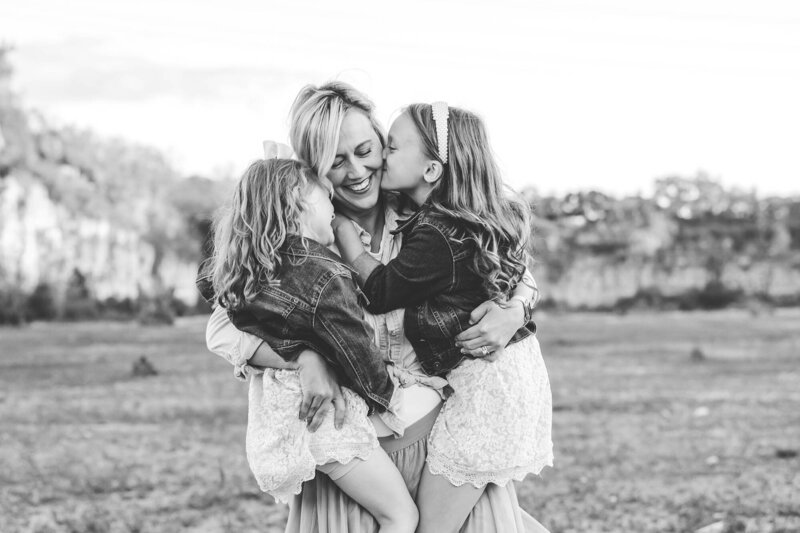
(646, 438)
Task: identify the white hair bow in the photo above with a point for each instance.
(441, 112)
(273, 150)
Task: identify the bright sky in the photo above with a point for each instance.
(576, 94)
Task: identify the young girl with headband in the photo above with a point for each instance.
(277, 280)
(465, 244)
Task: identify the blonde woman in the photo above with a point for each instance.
(334, 130)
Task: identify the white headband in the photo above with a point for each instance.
(273, 150)
(440, 115)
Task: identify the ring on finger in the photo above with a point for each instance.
(484, 351)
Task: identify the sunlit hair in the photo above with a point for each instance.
(316, 119)
(472, 192)
(248, 232)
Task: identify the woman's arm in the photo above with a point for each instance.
(249, 353)
(237, 347)
(495, 324)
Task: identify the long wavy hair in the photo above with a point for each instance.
(471, 192)
(316, 120)
(248, 232)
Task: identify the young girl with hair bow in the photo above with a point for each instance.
(464, 245)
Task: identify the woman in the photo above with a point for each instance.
(334, 130)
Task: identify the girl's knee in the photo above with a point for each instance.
(403, 517)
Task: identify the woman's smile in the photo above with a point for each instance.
(360, 187)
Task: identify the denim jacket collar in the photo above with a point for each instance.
(298, 246)
(404, 226)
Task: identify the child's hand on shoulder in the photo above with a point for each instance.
(339, 221)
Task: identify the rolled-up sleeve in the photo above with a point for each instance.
(236, 347)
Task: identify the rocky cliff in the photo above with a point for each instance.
(593, 251)
(73, 204)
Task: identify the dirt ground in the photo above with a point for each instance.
(648, 437)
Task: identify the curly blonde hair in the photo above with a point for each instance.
(471, 191)
(248, 232)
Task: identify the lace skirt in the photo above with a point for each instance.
(282, 453)
(496, 426)
(323, 508)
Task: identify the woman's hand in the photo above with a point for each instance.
(493, 328)
(320, 390)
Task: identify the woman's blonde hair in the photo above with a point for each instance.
(316, 119)
(265, 208)
(472, 192)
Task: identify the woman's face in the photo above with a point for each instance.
(357, 169)
(405, 157)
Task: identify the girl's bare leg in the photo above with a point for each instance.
(443, 507)
(378, 487)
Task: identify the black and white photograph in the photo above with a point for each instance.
(521, 266)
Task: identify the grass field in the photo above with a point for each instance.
(647, 439)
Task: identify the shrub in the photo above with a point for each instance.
(157, 310)
(13, 306)
(41, 303)
(118, 309)
(78, 303)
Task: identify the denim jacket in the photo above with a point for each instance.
(432, 279)
(314, 302)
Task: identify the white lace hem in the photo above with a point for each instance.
(457, 475)
(343, 455)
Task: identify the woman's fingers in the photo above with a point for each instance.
(490, 341)
(471, 333)
(479, 312)
(305, 406)
(340, 409)
(316, 403)
(319, 415)
(491, 355)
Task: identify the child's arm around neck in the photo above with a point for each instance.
(423, 269)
